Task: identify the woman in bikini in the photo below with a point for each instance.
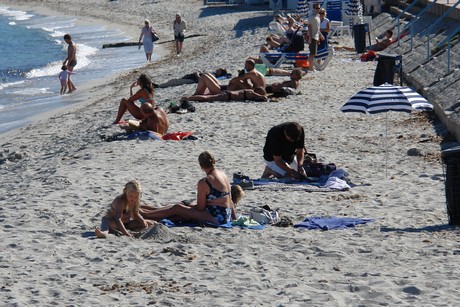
(144, 94)
(213, 204)
(123, 214)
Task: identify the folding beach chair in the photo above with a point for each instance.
(276, 59)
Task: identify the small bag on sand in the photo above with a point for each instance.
(264, 216)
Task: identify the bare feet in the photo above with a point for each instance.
(100, 234)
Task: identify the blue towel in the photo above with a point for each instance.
(326, 223)
(143, 135)
(170, 223)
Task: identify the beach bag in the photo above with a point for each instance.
(155, 37)
(264, 216)
(318, 169)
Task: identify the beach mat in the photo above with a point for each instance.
(285, 184)
(328, 223)
(169, 223)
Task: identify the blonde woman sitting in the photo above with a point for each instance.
(123, 214)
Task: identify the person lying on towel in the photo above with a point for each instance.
(257, 94)
(294, 82)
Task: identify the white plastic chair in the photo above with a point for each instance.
(339, 29)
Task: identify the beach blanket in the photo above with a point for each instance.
(335, 181)
(241, 222)
(327, 223)
(293, 185)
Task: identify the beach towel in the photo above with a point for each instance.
(241, 222)
(177, 136)
(143, 135)
(337, 180)
(327, 223)
(291, 184)
(150, 135)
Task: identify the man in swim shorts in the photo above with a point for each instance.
(250, 79)
(71, 60)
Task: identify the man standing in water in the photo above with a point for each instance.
(71, 60)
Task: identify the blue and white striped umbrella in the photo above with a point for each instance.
(302, 7)
(384, 98)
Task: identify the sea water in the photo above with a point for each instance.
(32, 50)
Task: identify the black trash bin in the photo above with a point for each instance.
(385, 71)
(451, 166)
(359, 33)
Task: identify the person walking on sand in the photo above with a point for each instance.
(71, 60)
(147, 39)
(179, 27)
(123, 214)
(314, 34)
(64, 78)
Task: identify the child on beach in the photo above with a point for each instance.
(123, 214)
(64, 77)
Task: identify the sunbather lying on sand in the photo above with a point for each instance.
(193, 78)
(257, 94)
(294, 82)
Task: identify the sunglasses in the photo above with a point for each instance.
(322, 13)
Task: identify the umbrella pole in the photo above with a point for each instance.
(386, 144)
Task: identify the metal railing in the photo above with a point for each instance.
(428, 30)
(448, 40)
(398, 18)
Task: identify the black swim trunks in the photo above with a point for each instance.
(72, 63)
(180, 37)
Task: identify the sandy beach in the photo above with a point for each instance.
(65, 175)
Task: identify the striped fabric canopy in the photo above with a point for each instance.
(302, 7)
(384, 98)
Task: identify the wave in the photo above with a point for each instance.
(15, 15)
(83, 59)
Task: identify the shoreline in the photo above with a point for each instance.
(86, 89)
(66, 174)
